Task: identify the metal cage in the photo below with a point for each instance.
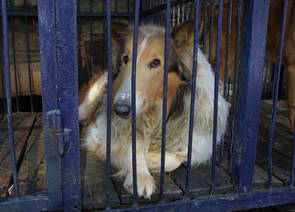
(74, 42)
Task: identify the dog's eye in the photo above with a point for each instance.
(155, 63)
(125, 59)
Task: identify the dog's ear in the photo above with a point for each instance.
(119, 30)
(183, 35)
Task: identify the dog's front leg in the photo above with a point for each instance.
(145, 181)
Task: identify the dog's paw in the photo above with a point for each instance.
(145, 184)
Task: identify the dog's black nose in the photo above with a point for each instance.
(122, 110)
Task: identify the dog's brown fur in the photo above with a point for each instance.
(272, 45)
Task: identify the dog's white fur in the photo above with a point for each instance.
(148, 129)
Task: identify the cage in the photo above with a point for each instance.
(52, 48)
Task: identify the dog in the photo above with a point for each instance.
(272, 43)
(149, 94)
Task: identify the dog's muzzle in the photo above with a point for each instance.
(123, 110)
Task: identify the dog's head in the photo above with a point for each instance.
(150, 68)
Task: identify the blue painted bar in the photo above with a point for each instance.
(216, 88)
(8, 97)
(133, 99)
(249, 92)
(277, 75)
(230, 202)
(80, 14)
(236, 69)
(66, 46)
(29, 203)
(164, 111)
(109, 102)
(212, 7)
(193, 95)
(46, 18)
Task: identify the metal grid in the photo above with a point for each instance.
(60, 109)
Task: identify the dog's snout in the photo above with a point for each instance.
(123, 110)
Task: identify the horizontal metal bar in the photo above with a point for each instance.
(30, 203)
(230, 202)
(80, 14)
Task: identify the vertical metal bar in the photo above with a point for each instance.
(193, 94)
(109, 103)
(91, 38)
(216, 87)
(133, 99)
(225, 82)
(133, 90)
(14, 54)
(46, 19)
(249, 92)
(66, 36)
(236, 68)
(163, 146)
(276, 93)
(28, 59)
(8, 97)
(228, 33)
(212, 7)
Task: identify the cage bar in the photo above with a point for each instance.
(133, 98)
(109, 103)
(8, 97)
(193, 94)
(235, 83)
(277, 75)
(249, 91)
(47, 32)
(216, 88)
(164, 118)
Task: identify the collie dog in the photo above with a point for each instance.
(149, 94)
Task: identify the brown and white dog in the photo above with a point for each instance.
(149, 93)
